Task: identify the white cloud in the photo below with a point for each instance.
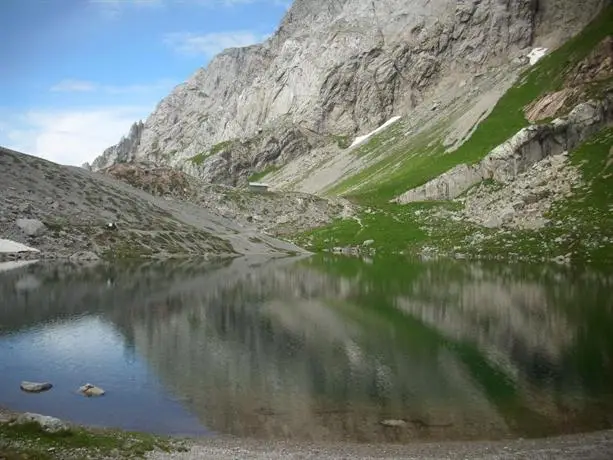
(71, 137)
(212, 43)
(76, 86)
(114, 8)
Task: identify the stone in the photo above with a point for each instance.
(91, 390)
(31, 227)
(83, 256)
(492, 222)
(393, 423)
(47, 423)
(562, 260)
(35, 387)
(368, 243)
(507, 215)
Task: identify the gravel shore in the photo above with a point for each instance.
(592, 446)
(587, 446)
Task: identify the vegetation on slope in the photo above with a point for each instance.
(257, 176)
(581, 225)
(409, 163)
(30, 441)
(198, 159)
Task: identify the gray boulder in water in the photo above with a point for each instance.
(35, 387)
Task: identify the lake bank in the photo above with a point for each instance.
(107, 444)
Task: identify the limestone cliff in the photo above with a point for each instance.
(124, 151)
(331, 70)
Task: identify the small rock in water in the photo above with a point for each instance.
(35, 387)
(91, 390)
(48, 424)
(393, 423)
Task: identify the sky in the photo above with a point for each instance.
(76, 74)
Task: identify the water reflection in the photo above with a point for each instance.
(325, 348)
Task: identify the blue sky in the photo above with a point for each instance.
(76, 74)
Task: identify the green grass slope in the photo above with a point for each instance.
(411, 162)
(580, 225)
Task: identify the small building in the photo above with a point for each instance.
(258, 187)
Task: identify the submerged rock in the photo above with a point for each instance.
(91, 390)
(35, 387)
(47, 423)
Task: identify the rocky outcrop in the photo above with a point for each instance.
(160, 181)
(518, 154)
(336, 68)
(590, 76)
(549, 105)
(277, 213)
(231, 163)
(124, 151)
(523, 203)
(46, 423)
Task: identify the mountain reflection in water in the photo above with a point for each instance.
(321, 348)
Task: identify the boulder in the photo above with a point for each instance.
(48, 424)
(31, 227)
(91, 390)
(35, 387)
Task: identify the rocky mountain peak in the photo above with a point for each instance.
(124, 151)
(334, 69)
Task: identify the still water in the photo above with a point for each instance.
(322, 348)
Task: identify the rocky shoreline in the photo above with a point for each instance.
(595, 446)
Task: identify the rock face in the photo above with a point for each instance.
(122, 152)
(334, 68)
(522, 204)
(596, 68)
(518, 154)
(276, 213)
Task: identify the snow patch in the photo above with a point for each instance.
(360, 139)
(14, 246)
(536, 55)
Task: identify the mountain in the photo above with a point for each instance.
(64, 212)
(334, 70)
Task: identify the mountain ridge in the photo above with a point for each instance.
(334, 69)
